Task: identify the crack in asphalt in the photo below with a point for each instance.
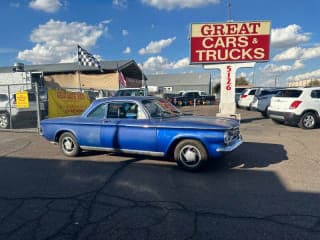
(17, 148)
(98, 214)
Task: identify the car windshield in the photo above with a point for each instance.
(160, 108)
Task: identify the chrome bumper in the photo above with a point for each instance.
(231, 147)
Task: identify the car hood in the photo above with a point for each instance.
(200, 122)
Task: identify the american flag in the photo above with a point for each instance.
(122, 80)
(87, 59)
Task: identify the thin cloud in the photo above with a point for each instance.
(49, 6)
(125, 32)
(120, 3)
(305, 76)
(156, 46)
(15, 4)
(127, 50)
(7, 50)
(279, 69)
(159, 64)
(173, 4)
(298, 53)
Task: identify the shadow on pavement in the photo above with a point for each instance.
(60, 199)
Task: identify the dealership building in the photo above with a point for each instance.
(74, 76)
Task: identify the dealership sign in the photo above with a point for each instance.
(230, 42)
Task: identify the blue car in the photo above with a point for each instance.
(144, 125)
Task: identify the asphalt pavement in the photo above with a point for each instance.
(268, 188)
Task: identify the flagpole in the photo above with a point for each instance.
(79, 78)
(119, 85)
(78, 72)
(85, 59)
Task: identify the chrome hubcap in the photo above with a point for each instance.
(3, 122)
(309, 121)
(68, 144)
(190, 155)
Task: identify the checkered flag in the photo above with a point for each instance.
(87, 59)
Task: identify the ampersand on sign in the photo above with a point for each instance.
(255, 41)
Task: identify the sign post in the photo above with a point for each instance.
(229, 46)
(227, 105)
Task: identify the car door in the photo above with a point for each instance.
(315, 95)
(127, 130)
(89, 131)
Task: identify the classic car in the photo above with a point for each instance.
(144, 125)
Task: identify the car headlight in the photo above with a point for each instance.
(230, 135)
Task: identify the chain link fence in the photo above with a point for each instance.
(13, 115)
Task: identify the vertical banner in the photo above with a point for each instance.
(63, 103)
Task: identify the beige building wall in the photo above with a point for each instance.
(87, 81)
(302, 83)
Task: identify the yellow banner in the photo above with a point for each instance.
(22, 100)
(63, 103)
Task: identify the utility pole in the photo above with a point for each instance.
(275, 80)
(229, 10)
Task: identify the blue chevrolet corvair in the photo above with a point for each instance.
(144, 125)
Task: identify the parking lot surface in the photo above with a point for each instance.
(269, 188)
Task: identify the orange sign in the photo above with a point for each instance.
(230, 42)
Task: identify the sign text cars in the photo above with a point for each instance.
(230, 42)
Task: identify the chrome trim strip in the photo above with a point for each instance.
(117, 150)
(172, 127)
(230, 147)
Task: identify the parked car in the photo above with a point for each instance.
(296, 106)
(19, 115)
(129, 92)
(262, 98)
(238, 92)
(190, 97)
(144, 125)
(246, 98)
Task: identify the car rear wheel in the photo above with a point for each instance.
(69, 145)
(4, 120)
(190, 155)
(308, 121)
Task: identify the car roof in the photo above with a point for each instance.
(126, 98)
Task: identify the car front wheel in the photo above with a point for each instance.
(190, 155)
(4, 120)
(69, 145)
(308, 121)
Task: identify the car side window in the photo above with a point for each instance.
(315, 94)
(3, 98)
(128, 110)
(252, 92)
(98, 112)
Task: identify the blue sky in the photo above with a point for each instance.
(155, 33)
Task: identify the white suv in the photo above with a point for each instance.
(262, 98)
(246, 98)
(296, 106)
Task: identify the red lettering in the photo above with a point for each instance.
(228, 86)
